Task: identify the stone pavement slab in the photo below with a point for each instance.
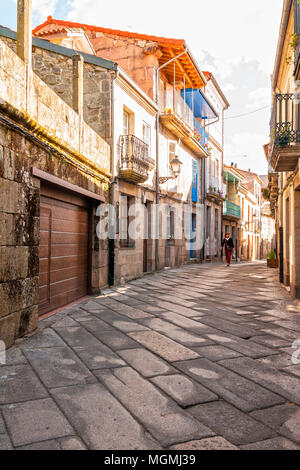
(146, 363)
(14, 356)
(246, 348)
(117, 341)
(2, 426)
(164, 347)
(279, 361)
(176, 333)
(240, 392)
(5, 442)
(41, 418)
(271, 378)
(295, 370)
(100, 357)
(64, 443)
(285, 419)
(58, 367)
(160, 415)
(193, 358)
(44, 445)
(212, 443)
(237, 427)
(240, 331)
(77, 336)
(101, 421)
(45, 339)
(216, 352)
(183, 390)
(270, 341)
(19, 384)
(119, 322)
(277, 443)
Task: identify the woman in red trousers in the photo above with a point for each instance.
(229, 246)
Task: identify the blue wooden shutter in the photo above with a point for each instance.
(195, 181)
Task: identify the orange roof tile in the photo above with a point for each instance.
(70, 24)
(207, 75)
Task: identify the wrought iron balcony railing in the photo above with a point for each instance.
(285, 131)
(135, 162)
(231, 210)
(285, 122)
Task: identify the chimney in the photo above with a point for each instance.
(232, 164)
(24, 33)
(78, 83)
(235, 166)
(249, 170)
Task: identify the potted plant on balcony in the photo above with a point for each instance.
(283, 138)
(168, 110)
(272, 261)
(197, 136)
(266, 194)
(221, 193)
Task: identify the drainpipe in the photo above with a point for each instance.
(112, 222)
(157, 155)
(213, 122)
(281, 260)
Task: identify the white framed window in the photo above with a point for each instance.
(147, 135)
(126, 122)
(172, 150)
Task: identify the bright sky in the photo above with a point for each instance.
(234, 39)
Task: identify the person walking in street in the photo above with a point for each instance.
(229, 246)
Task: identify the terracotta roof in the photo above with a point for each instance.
(69, 24)
(207, 75)
(249, 174)
(186, 65)
(266, 150)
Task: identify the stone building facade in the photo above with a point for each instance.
(107, 94)
(49, 159)
(284, 150)
(181, 130)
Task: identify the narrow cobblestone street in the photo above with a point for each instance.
(193, 358)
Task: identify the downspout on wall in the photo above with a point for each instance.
(112, 189)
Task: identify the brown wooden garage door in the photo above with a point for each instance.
(64, 242)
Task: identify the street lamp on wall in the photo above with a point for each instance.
(175, 167)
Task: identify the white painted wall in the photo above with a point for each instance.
(182, 185)
(215, 130)
(141, 115)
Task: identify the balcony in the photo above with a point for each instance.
(178, 117)
(215, 189)
(285, 132)
(135, 162)
(231, 211)
(297, 32)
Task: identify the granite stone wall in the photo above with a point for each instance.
(56, 71)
